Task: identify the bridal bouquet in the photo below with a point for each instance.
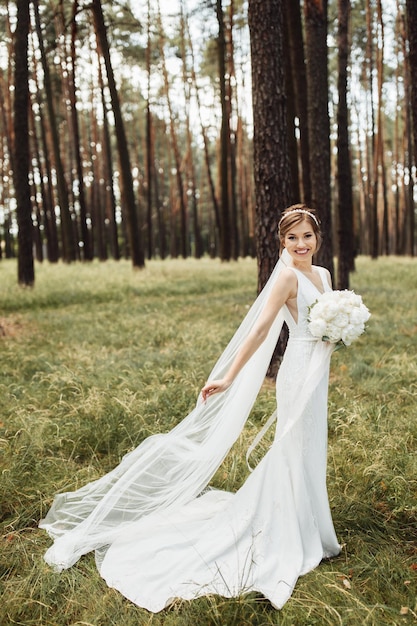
(338, 317)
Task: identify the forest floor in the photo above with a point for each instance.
(98, 356)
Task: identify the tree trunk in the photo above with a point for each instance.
(372, 169)
(225, 230)
(399, 31)
(87, 250)
(160, 217)
(26, 271)
(292, 129)
(180, 193)
(299, 84)
(149, 151)
(108, 175)
(319, 124)
(52, 243)
(244, 182)
(344, 168)
(412, 61)
(379, 164)
(7, 128)
(37, 175)
(63, 112)
(97, 202)
(232, 113)
(271, 164)
(133, 230)
(189, 160)
(206, 145)
(68, 243)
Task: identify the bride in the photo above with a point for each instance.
(158, 532)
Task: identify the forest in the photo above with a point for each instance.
(175, 129)
(148, 149)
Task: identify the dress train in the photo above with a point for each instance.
(276, 527)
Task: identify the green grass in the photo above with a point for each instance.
(97, 357)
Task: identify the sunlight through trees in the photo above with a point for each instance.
(150, 130)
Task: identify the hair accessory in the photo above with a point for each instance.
(299, 211)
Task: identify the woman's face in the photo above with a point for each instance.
(301, 241)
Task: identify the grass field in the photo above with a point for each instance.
(97, 357)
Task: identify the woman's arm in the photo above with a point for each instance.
(284, 289)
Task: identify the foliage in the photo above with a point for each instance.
(152, 39)
(98, 357)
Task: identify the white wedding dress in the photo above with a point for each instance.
(276, 527)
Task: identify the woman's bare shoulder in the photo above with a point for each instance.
(287, 282)
(288, 275)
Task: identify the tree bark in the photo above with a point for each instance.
(133, 230)
(209, 173)
(68, 243)
(181, 200)
(373, 179)
(232, 112)
(225, 229)
(87, 250)
(26, 270)
(292, 129)
(271, 164)
(318, 119)
(52, 243)
(108, 176)
(149, 149)
(189, 159)
(344, 167)
(299, 79)
(412, 61)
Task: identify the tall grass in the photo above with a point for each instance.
(97, 357)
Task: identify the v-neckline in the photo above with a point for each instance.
(311, 282)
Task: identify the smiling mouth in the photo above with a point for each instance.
(304, 251)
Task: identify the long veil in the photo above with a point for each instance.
(165, 469)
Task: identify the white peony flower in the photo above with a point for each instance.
(318, 327)
(338, 317)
